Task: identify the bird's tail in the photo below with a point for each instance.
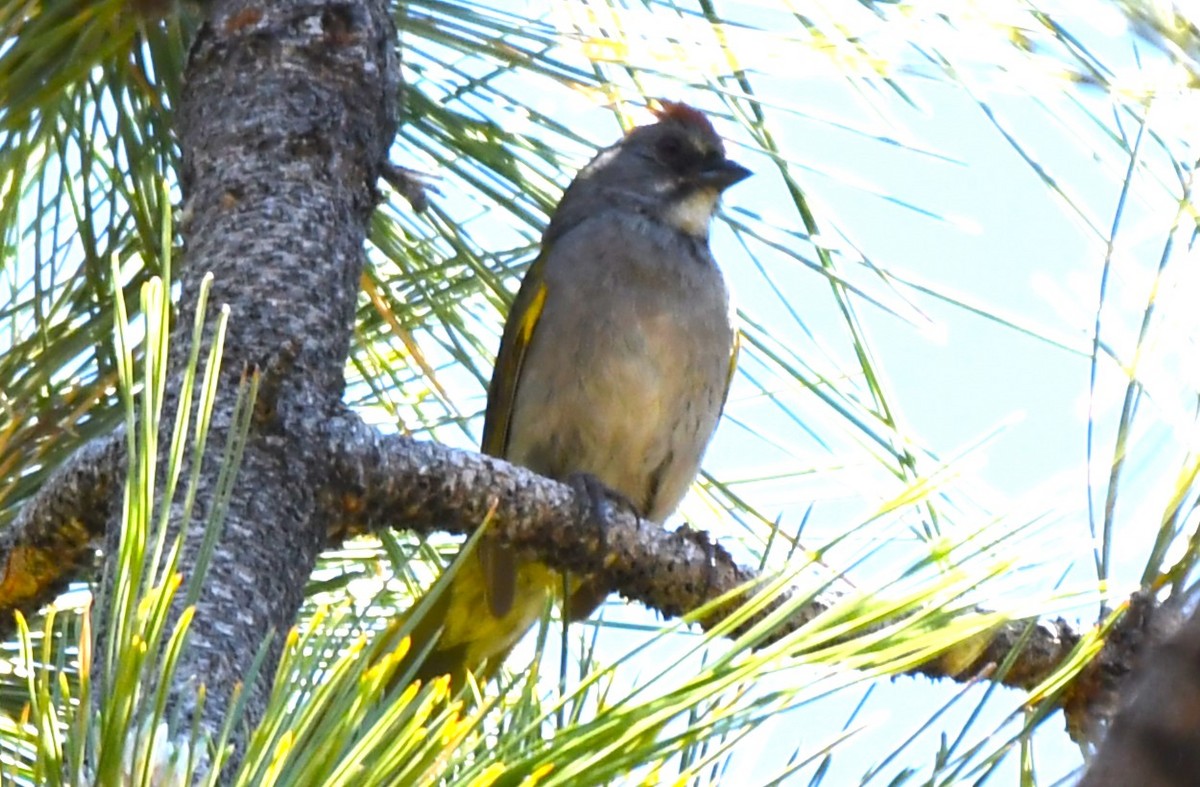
(452, 629)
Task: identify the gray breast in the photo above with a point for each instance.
(626, 371)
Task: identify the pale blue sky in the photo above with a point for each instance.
(935, 197)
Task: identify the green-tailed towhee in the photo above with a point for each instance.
(615, 363)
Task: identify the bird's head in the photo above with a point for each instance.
(675, 168)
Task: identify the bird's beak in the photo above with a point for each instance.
(723, 175)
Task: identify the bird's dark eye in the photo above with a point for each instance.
(671, 150)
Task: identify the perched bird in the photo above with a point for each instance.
(614, 365)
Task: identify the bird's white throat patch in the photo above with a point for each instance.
(692, 213)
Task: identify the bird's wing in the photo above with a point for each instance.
(499, 562)
(518, 332)
(734, 351)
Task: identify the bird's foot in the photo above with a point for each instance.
(598, 500)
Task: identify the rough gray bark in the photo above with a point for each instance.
(286, 118)
(1154, 741)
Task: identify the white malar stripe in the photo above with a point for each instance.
(693, 213)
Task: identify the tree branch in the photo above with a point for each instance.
(53, 539)
(374, 481)
(1154, 741)
(379, 481)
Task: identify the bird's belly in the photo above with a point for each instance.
(634, 408)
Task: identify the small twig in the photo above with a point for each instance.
(410, 184)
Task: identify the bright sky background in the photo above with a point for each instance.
(953, 213)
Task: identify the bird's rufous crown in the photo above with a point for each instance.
(683, 114)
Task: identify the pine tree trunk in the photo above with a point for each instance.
(285, 122)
